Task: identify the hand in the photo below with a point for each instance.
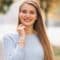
(21, 31)
(22, 34)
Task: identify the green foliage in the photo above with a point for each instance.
(4, 5)
(57, 51)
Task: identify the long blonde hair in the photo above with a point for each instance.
(39, 28)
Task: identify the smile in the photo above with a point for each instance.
(27, 20)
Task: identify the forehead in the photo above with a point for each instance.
(27, 6)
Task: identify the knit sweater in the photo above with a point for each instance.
(32, 50)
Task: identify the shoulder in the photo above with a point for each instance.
(10, 36)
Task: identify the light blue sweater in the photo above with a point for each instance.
(33, 49)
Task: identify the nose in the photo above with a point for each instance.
(27, 15)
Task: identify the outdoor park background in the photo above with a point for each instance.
(51, 16)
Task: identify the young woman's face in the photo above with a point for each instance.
(28, 15)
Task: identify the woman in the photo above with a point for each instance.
(31, 42)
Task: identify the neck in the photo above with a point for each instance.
(29, 30)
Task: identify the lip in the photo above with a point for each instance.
(27, 20)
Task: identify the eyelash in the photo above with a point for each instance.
(24, 11)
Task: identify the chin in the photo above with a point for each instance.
(28, 24)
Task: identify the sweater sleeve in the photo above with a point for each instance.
(12, 50)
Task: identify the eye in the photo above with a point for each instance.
(24, 11)
(32, 12)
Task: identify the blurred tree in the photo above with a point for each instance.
(1, 5)
(45, 5)
(4, 5)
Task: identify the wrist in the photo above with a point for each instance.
(21, 38)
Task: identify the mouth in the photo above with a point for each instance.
(27, 20)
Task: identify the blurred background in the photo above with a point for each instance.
(50, 10)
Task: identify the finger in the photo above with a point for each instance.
(21, 26)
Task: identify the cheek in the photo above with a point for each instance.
(34, 17)
(21, 15)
